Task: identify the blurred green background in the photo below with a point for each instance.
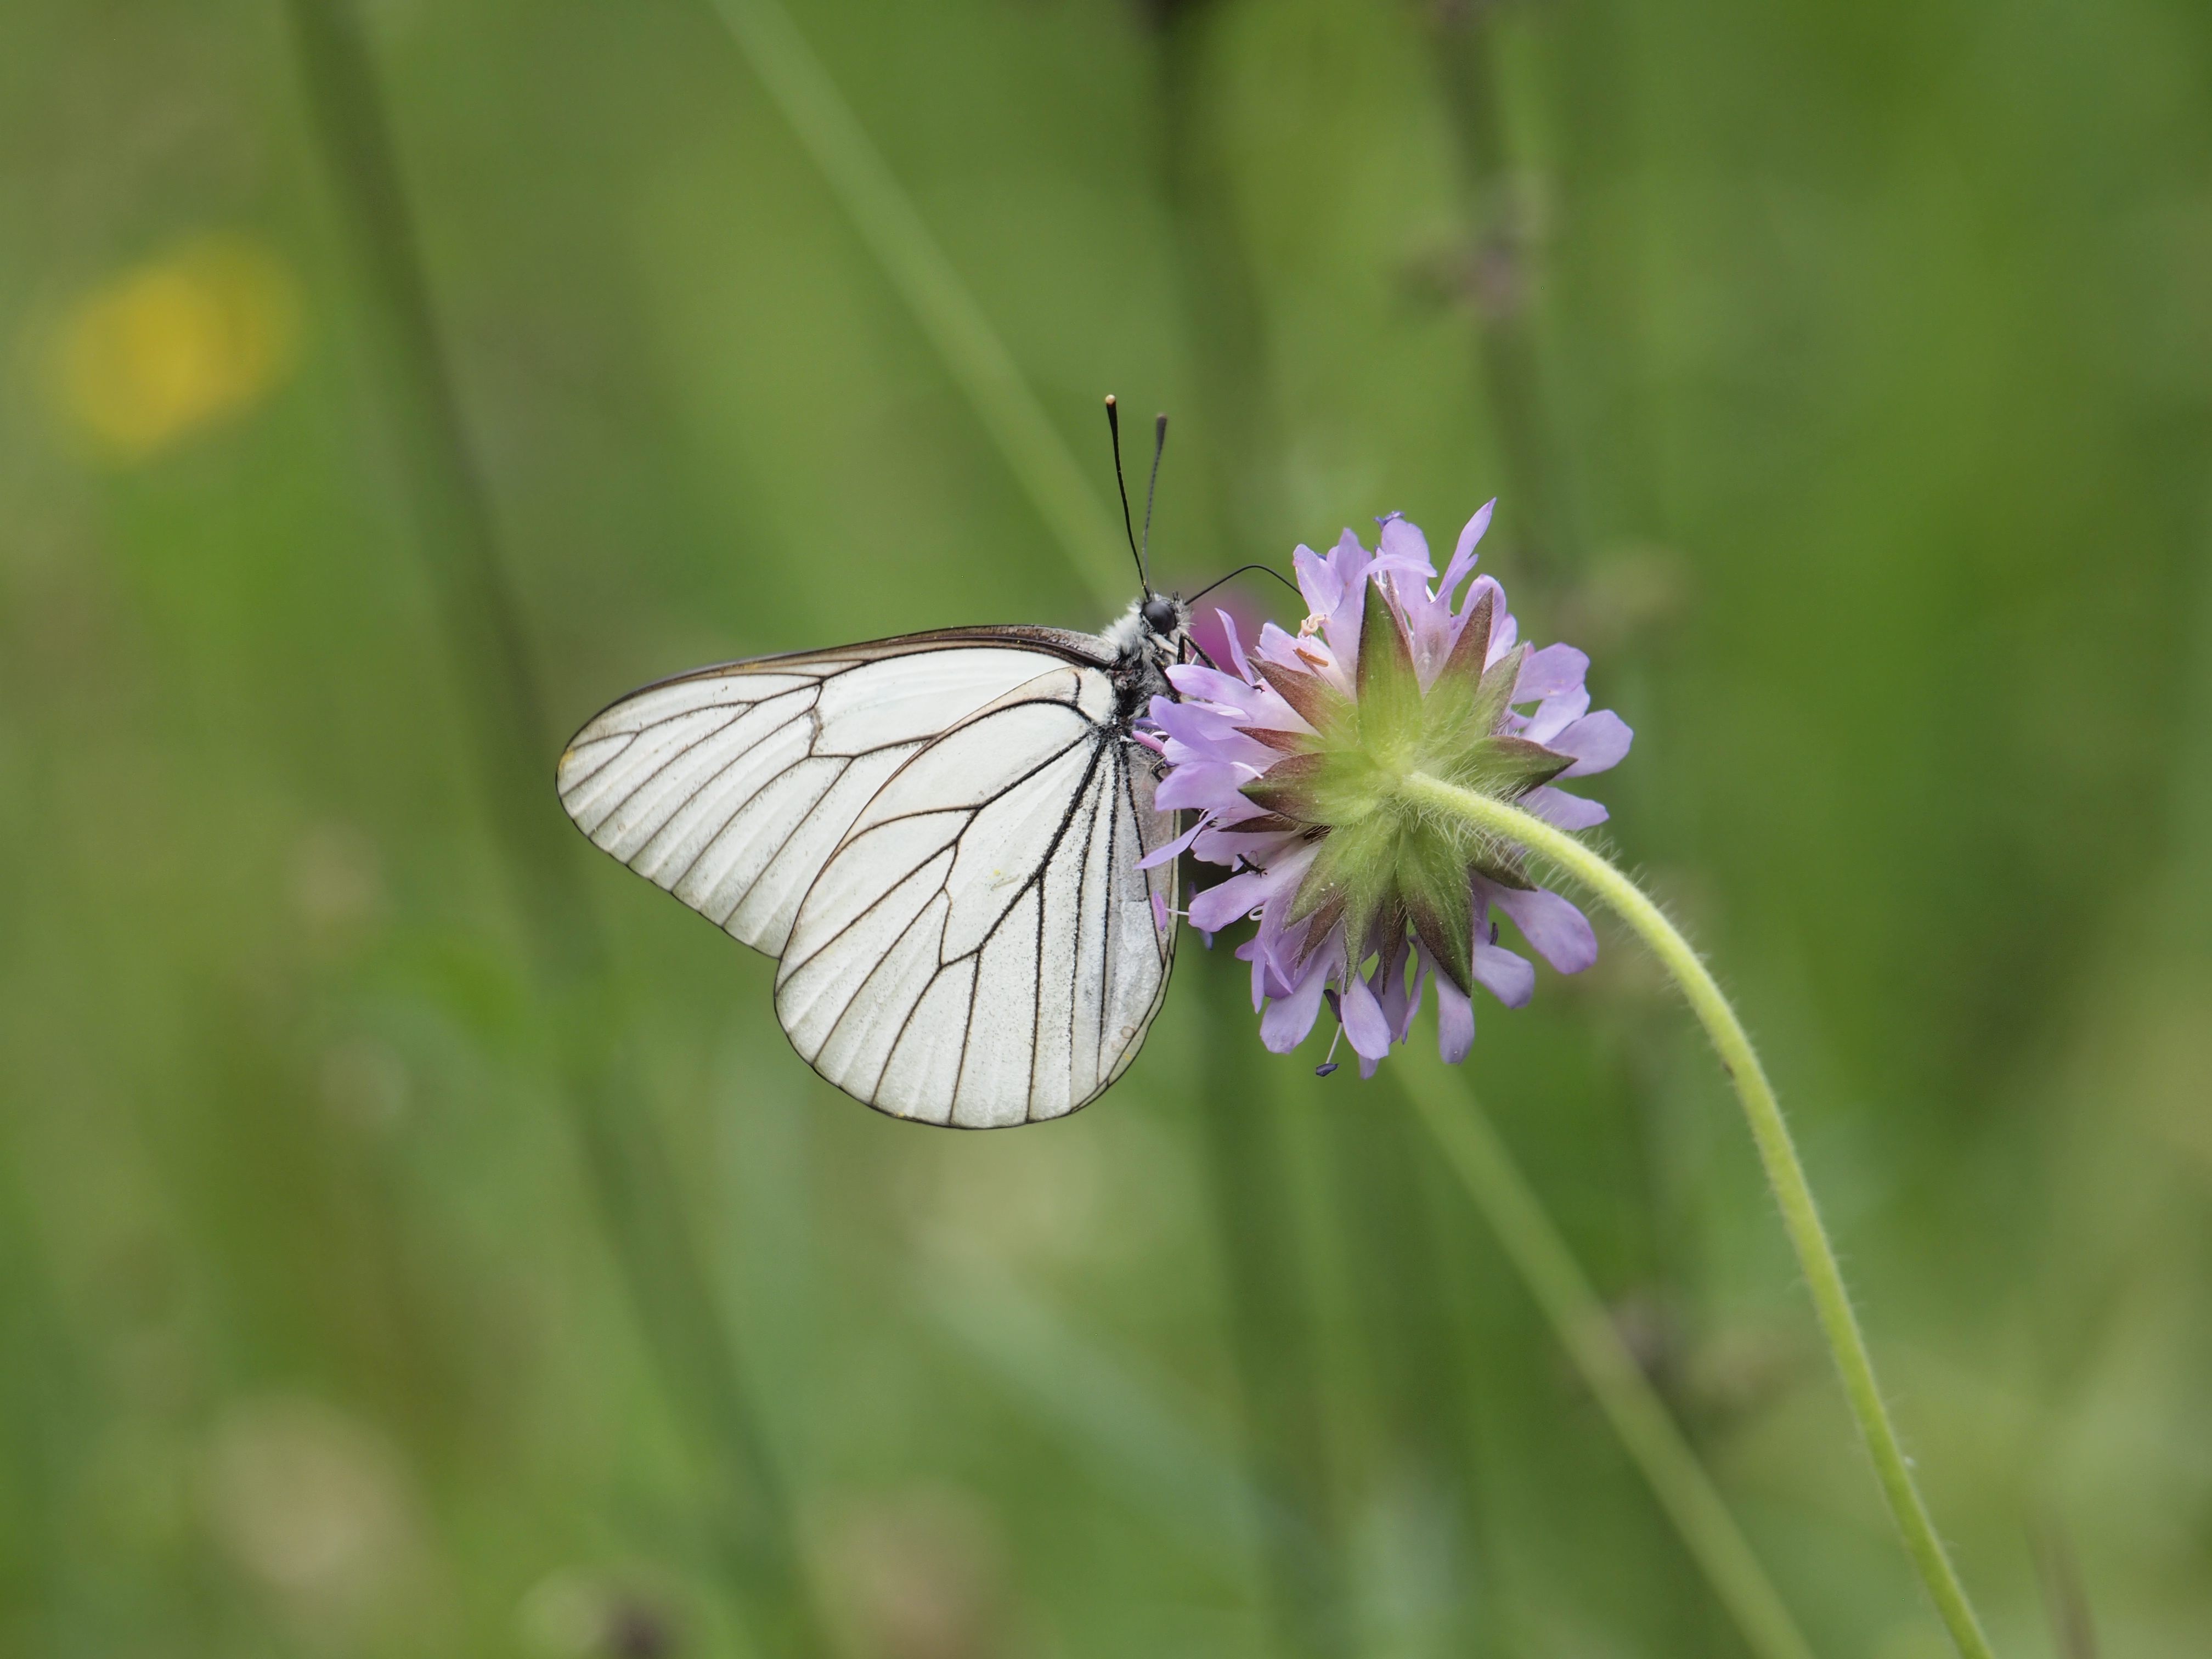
(1847, 373)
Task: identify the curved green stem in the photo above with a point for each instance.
(1471, 1146)
(1800, 1216)
(925, 276)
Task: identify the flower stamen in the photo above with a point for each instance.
(1328, 1060)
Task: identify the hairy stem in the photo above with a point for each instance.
(1480, 1160)
(1824, 1278)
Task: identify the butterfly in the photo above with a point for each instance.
(938, 836)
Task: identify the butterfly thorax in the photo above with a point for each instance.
(1143, 653)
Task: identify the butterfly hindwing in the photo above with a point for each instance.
(982, 950)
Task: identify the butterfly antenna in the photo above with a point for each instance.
(1264, 569)
(1160, 445)
(1114, 430)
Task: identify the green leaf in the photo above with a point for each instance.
(1352, 875)
(1471, 649)
(1290, 788)
(1508, 767)
(1285, 743)
(1502, 863)
(1318, 704)
(1494, 693)
(1327, 911)
(1467, 703)
(1433, 884)
(1389, 685)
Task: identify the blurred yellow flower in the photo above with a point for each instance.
(177, 345)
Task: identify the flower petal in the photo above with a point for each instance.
(1288, 1019)
(1568, 811)
(1247, 891)
(1475, 590)
(1350, 560)
(1597, 741)
(1203, 726)
(1555, 714)
(1341, 630)
(1401, 547)
(1399, 1005)
(1193, 785)
(1505, 634)
(1405, 1026)
(1274, 646)
(1263, 979)
(1235, 644)
(1172, 851)
(1428, 624)
(1194, 680)
(1508, 977)
(1548, 673)
(1251, 838)
(1455, 1022)
(1318, 580)
(1554, 928)
(1363, 1020)
(1463, 555)
(1229, 901)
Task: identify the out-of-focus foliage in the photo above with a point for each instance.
(1877, 345)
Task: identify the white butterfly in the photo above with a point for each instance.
(937, 835)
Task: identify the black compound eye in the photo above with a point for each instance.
(1160, 615)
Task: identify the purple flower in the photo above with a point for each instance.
(1289, 754)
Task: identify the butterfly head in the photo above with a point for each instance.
(1154, 628)
(1156, 623)
(1166, 619)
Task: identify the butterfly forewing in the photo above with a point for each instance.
(939, 835)
(730, 787)
(982, 950)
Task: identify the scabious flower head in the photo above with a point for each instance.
(1291, 757)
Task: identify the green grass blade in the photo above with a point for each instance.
(974, 356)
